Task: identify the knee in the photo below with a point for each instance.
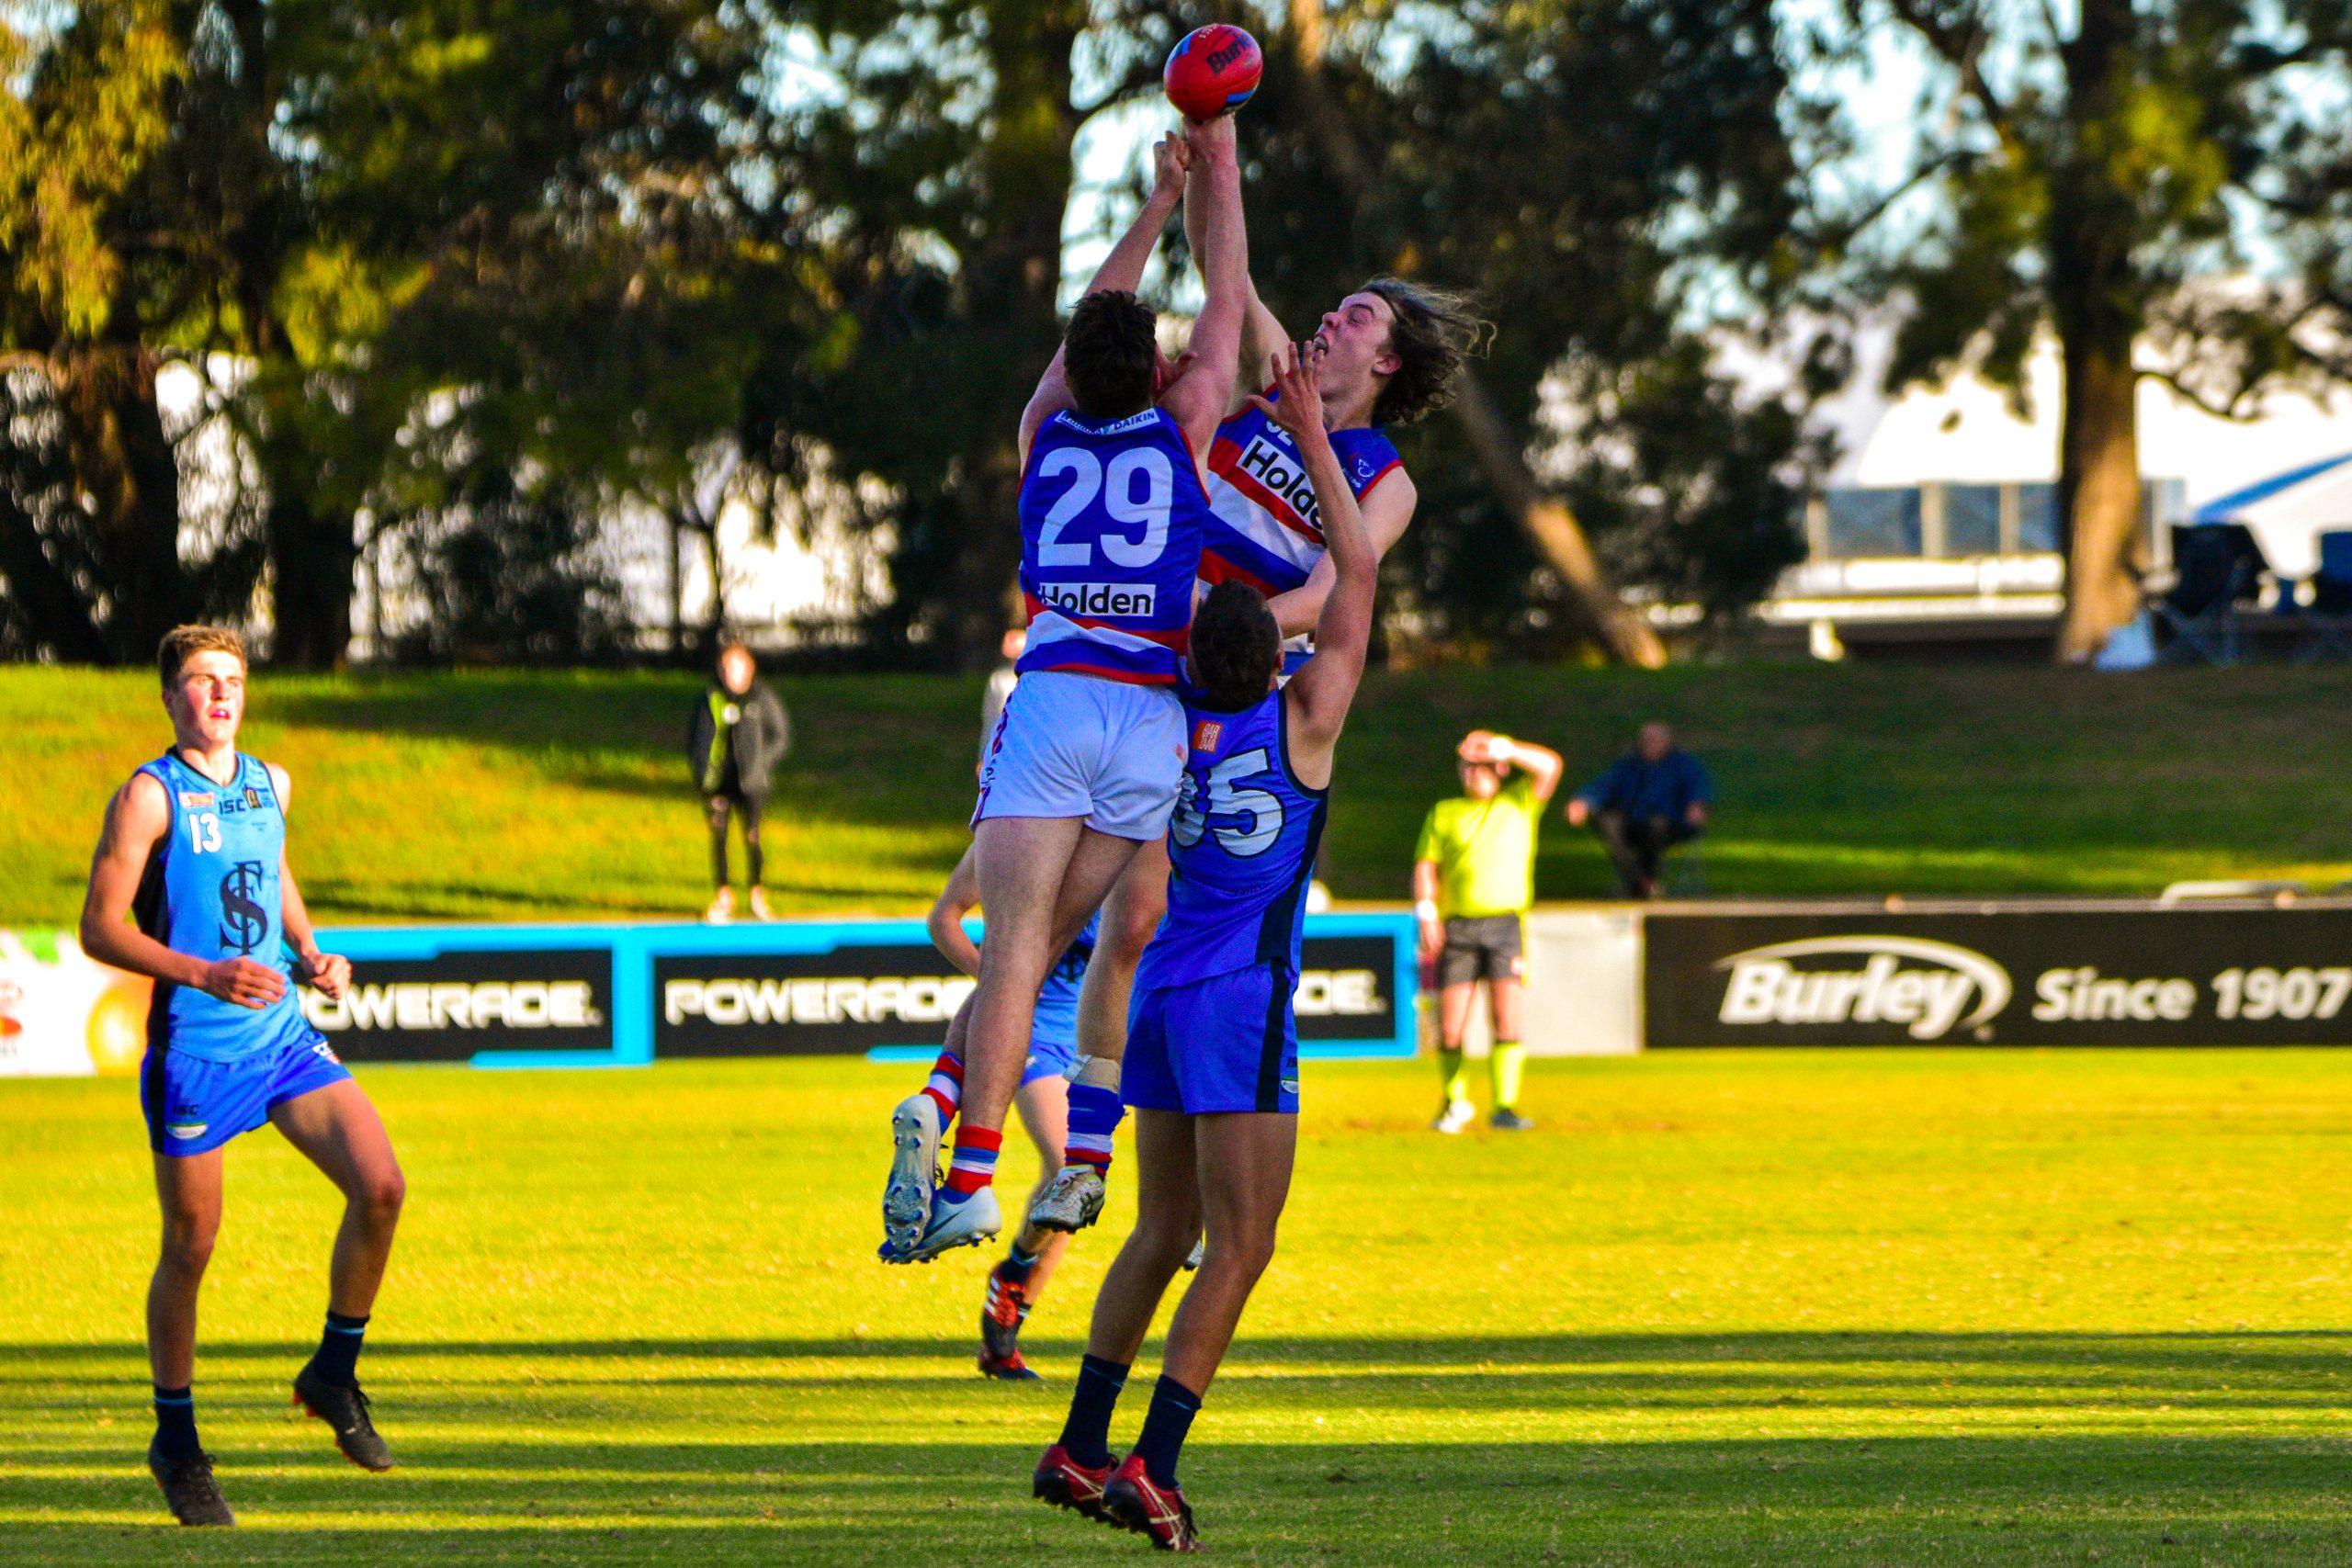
(188, 1242)
(1166, 1240)
(1246, 1253)
(1128, 925)
(382, 1193)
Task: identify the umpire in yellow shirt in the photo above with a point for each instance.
(1473, 876)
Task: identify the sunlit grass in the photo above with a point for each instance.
(1798, 1308)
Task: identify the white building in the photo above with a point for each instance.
(1940, 523)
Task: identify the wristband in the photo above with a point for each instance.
(1503, 748)
(1426, 910)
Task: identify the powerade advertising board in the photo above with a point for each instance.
(2140, 975)
(618, 995)
(870, 988)
(495, 996)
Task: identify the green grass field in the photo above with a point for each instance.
(545, 795)
(1941, 1308)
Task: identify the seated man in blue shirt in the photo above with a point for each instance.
(1648, 800)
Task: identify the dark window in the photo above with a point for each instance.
(1972, 520)
(1873, 522)
(2037, 517)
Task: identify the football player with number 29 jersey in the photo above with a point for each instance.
(1212, 1059)
(190, 886)
(1082, 770)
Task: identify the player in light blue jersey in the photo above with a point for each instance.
(194, 852)
(1212, 1059)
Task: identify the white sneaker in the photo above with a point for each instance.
(1455, 1117)
(968, 1223)
(760, 910)
(914, 1171)
(1070, 1201)
(1200, 1250)
(722, 908)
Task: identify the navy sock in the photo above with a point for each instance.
(1164, 1426)
(176, 1421)
(339, 1357)
(1087, 1433)
(1017, 1265)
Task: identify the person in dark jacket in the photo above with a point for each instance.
(1647, 801)
(737, 734)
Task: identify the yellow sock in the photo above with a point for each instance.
(1507, 1064)
(1454, 1070)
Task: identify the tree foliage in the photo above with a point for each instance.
(2165, 186)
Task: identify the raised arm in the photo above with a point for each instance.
(1198, 401)
(1261, 338)
(137, 820)
(1121, 269)
(1542, 765)
(946, 917)
(1386, 512)
(1319, 695)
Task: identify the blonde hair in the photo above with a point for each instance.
(183, 643)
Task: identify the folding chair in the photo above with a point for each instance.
(2217, 567)
(2328, 624)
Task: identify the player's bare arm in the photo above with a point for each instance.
(1197, 401)
(1318, 697)
(137, 820)
(1121, 269)
(946, 918)
(1542, 765)
(1261, 332)
(1388, 510)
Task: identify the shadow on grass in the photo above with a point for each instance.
(578, 1496)
(629, 1450)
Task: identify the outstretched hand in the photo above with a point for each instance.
(1171, 159)
(1213, 138)
(1298, 408)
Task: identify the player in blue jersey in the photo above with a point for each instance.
(1042, 1100)
(194, 852)
(1212, 1064)
(1082, 771)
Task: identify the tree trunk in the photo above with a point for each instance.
(1613, 622)
(313, 562)
(1546, 521)
(2094, 299)
(123, 460)
(2098, 499)
(1015, 273)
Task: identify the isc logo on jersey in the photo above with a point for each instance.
(1266, 461)
(1100, 601)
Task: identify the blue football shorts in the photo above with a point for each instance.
(194, 1105)
(1227, 1042)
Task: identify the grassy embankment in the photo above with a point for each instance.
(539, 797)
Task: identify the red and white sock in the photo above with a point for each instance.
(947, 1085)
(974, 1166)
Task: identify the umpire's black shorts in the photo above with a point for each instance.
(1479, 947)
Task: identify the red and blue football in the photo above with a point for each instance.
(1212, 71)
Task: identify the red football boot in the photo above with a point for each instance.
(1066, 1483)
(1003, 1312)
(1132, 1498)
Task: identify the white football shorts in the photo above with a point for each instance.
(1070, 745)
